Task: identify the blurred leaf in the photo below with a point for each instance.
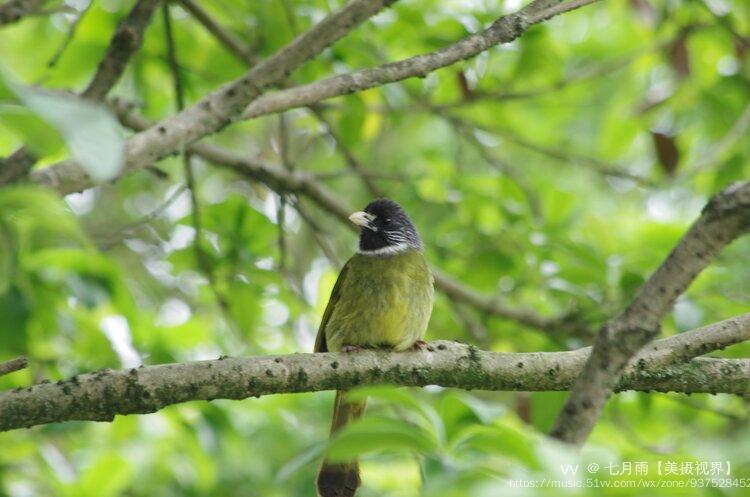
(352, 120)
(90, 131)
(41, 139)
(501, 438)
(544, 408)
(377, 434)
(667, 152)
(304, 458)
(107, 477)
(679, 56)
(630, 282)
(730, 171)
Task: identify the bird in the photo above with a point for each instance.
(382, 299)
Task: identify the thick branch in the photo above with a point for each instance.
(726, 217)
(101, 395)
(504, 30)
(217, 109)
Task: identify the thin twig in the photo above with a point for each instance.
(69, 36)
(109, 241)
(15, 10)
(349, 158)
(13, 365)
(225, 37)
(465, 129)
(201, 257)
(319, 234)
(722, 147)
(281, 207)
(565, 156)
(381, 175)
(471, 324)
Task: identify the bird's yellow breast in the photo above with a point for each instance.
(384, 302)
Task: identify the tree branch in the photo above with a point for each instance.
(504, 30)
(243, 53)
(13, 365)
(15, 10)
(225, 37)
(99, 396)
(225, 105)
(219, 108)
(725, 217)
(125, 42)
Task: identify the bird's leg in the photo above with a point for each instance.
(351, 348)
(419, 345)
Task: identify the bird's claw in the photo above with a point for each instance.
(351, 348)
(420, 345)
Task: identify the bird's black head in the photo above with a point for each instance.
(386, 229)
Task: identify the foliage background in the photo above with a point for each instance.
(606, 130)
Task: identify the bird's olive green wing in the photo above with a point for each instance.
(320, 340)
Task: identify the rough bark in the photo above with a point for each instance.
(101, 395)
(725, 217)
(504, 30)
(227, 104)
(126, 41)
(219, 108)
(13, 365)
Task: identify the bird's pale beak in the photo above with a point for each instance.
(362, 219)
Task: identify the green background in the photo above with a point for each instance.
(555, 173)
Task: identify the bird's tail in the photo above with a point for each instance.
(341, 479)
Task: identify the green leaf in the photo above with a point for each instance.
(90, 131)
(38, 136)
(733, 169)
(302, 459)
(107, 477)
(377, 434)
(544, 408)
(352, 119)
(500, 438)
(36, 217)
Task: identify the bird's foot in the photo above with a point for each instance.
(420, 345)
(351, 348)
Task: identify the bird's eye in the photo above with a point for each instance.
(387, 221)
